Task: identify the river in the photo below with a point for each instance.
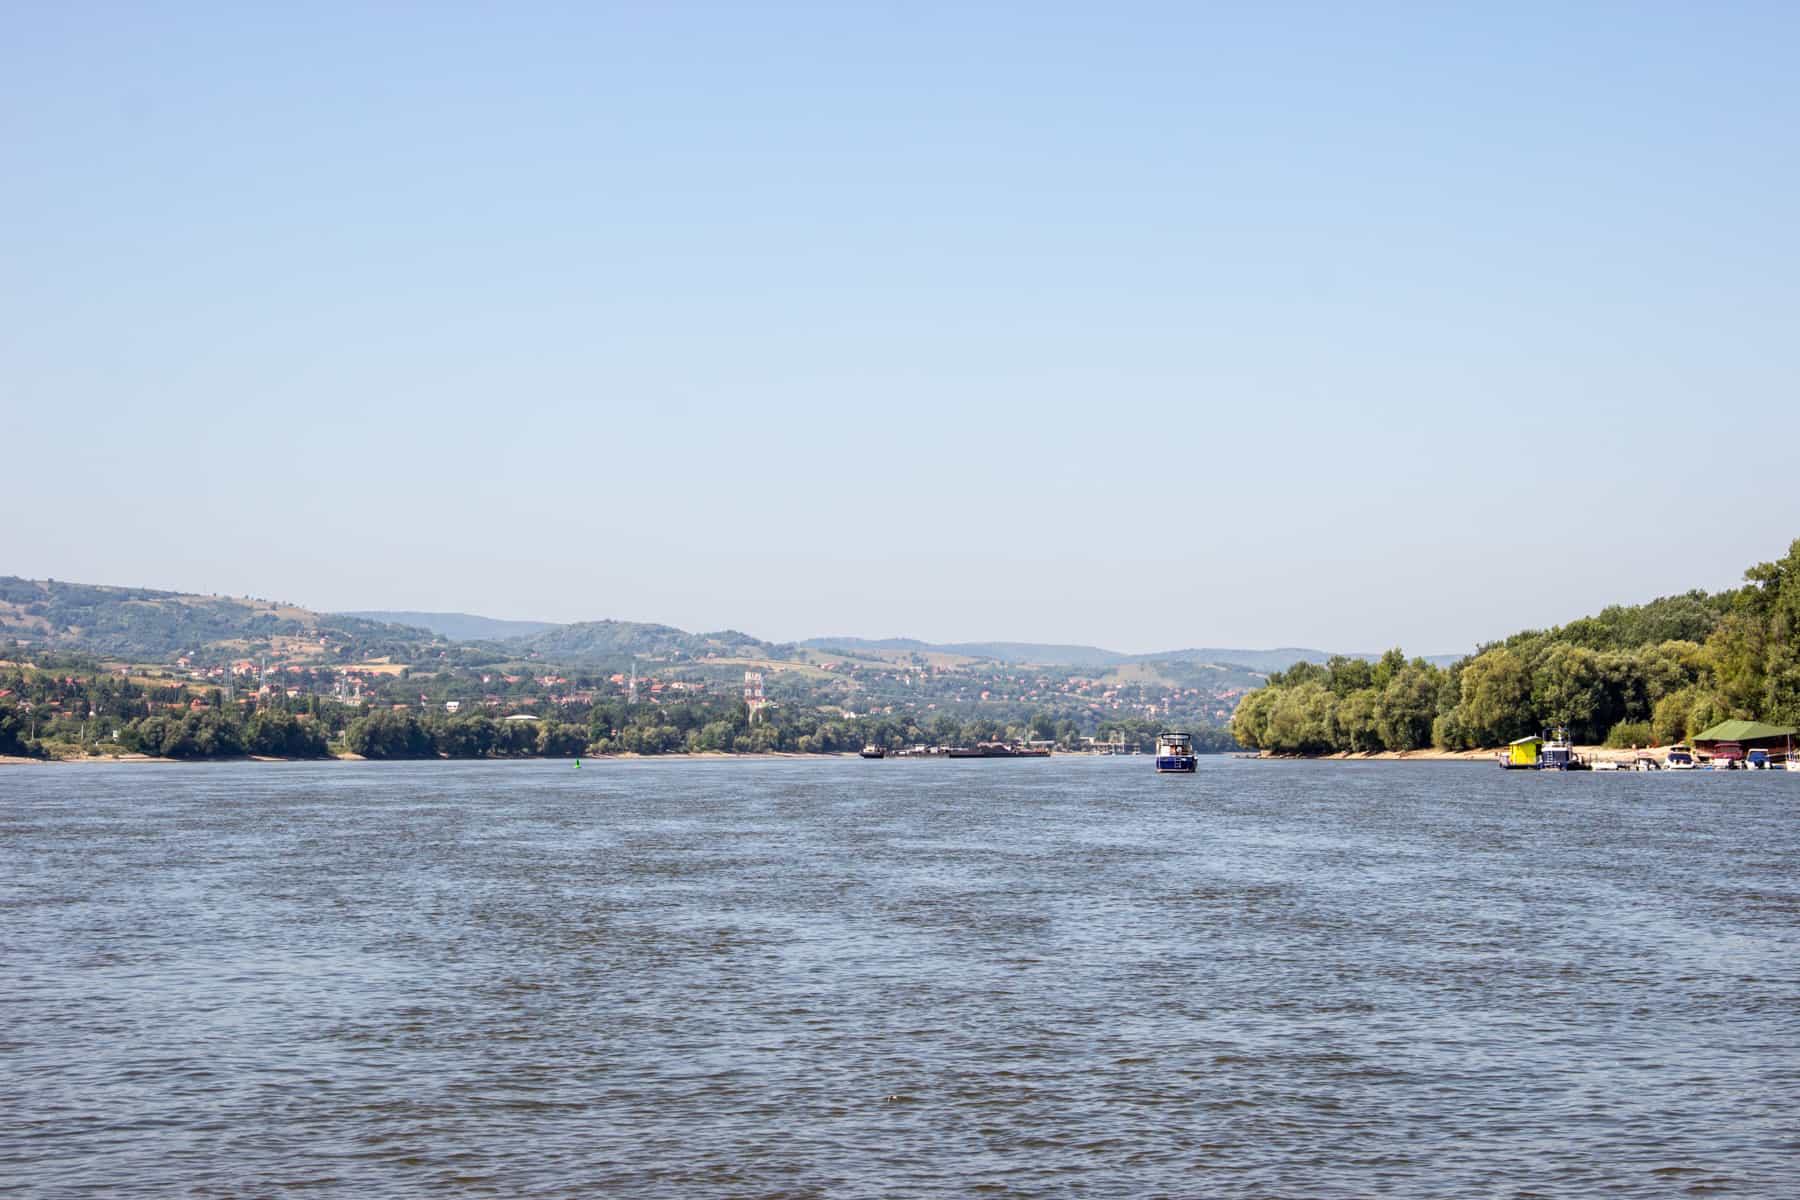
(902, 978)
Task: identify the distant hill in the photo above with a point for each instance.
(609, 641)
(144, 624)
(1010, 652)
(459, 627)
(1051, 654)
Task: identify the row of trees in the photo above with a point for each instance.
(1701, 658)
(216, 733)
(705, 726)
(384, 734)
(309, 729)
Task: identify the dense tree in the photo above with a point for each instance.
(389, 735)
(1303, 720)
(1656, 672)
(13, 727)
(1408, 706)
(472, 736)
(1359, 719)
(207, 733)
(559, 739)
(284, 735)
(1495, 703)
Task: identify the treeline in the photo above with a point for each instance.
(91, 716)
(1658, 672)
(713, 726)
(218, 733)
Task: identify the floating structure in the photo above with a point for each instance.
(1559, 755)
(1175, 754)
(999, 750)
(1522, 755)
(1729, 744)
(873, 751)
(1552, 752)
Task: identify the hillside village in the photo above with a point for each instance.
(79, 664)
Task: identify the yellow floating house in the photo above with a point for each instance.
(1522, 754)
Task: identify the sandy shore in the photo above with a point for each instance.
(12, 759)
(1592, 754)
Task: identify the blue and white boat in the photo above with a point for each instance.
(1559, 755)
(1175, 754)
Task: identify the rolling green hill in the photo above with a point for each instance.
(458, 627)
(143, 624)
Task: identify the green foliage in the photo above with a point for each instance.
(1709, 708)
(145, 624)
(285, 735)
(1670, 718)
(1303, 720)
(13, 733)
(1408, 705)
(618, 642)
(1250, 722)
(1566, 690)
(389, 735)
(1358, 715)
(1628, 734)
(207, 733)
(1495, 701)
(1689, 618)
(471, 736)
(1655, 672)
(559, 739)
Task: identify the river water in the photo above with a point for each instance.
(901, 978)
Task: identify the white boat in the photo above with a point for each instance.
(1175, 754)
(1679, 758)
(1558, 754)
(1610, 765)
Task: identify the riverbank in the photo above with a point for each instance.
(13, 759)
(1592, 754)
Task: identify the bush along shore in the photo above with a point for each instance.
(213, 727)
(1633, 675)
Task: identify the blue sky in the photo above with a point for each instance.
(1139, 324)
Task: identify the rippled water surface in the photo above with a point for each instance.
(839, 978)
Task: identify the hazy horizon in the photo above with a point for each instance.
(1142, 328)
(1176, 642)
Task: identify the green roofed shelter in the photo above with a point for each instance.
(1747, 734)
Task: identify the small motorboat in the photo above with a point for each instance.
(1175, 754)
(873, 751)
(1559, 755)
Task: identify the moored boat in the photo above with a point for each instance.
(873, 751)
(1175, 754)
(999, 750)
(1679, 758)
(1521, 755)
(1559, 755)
